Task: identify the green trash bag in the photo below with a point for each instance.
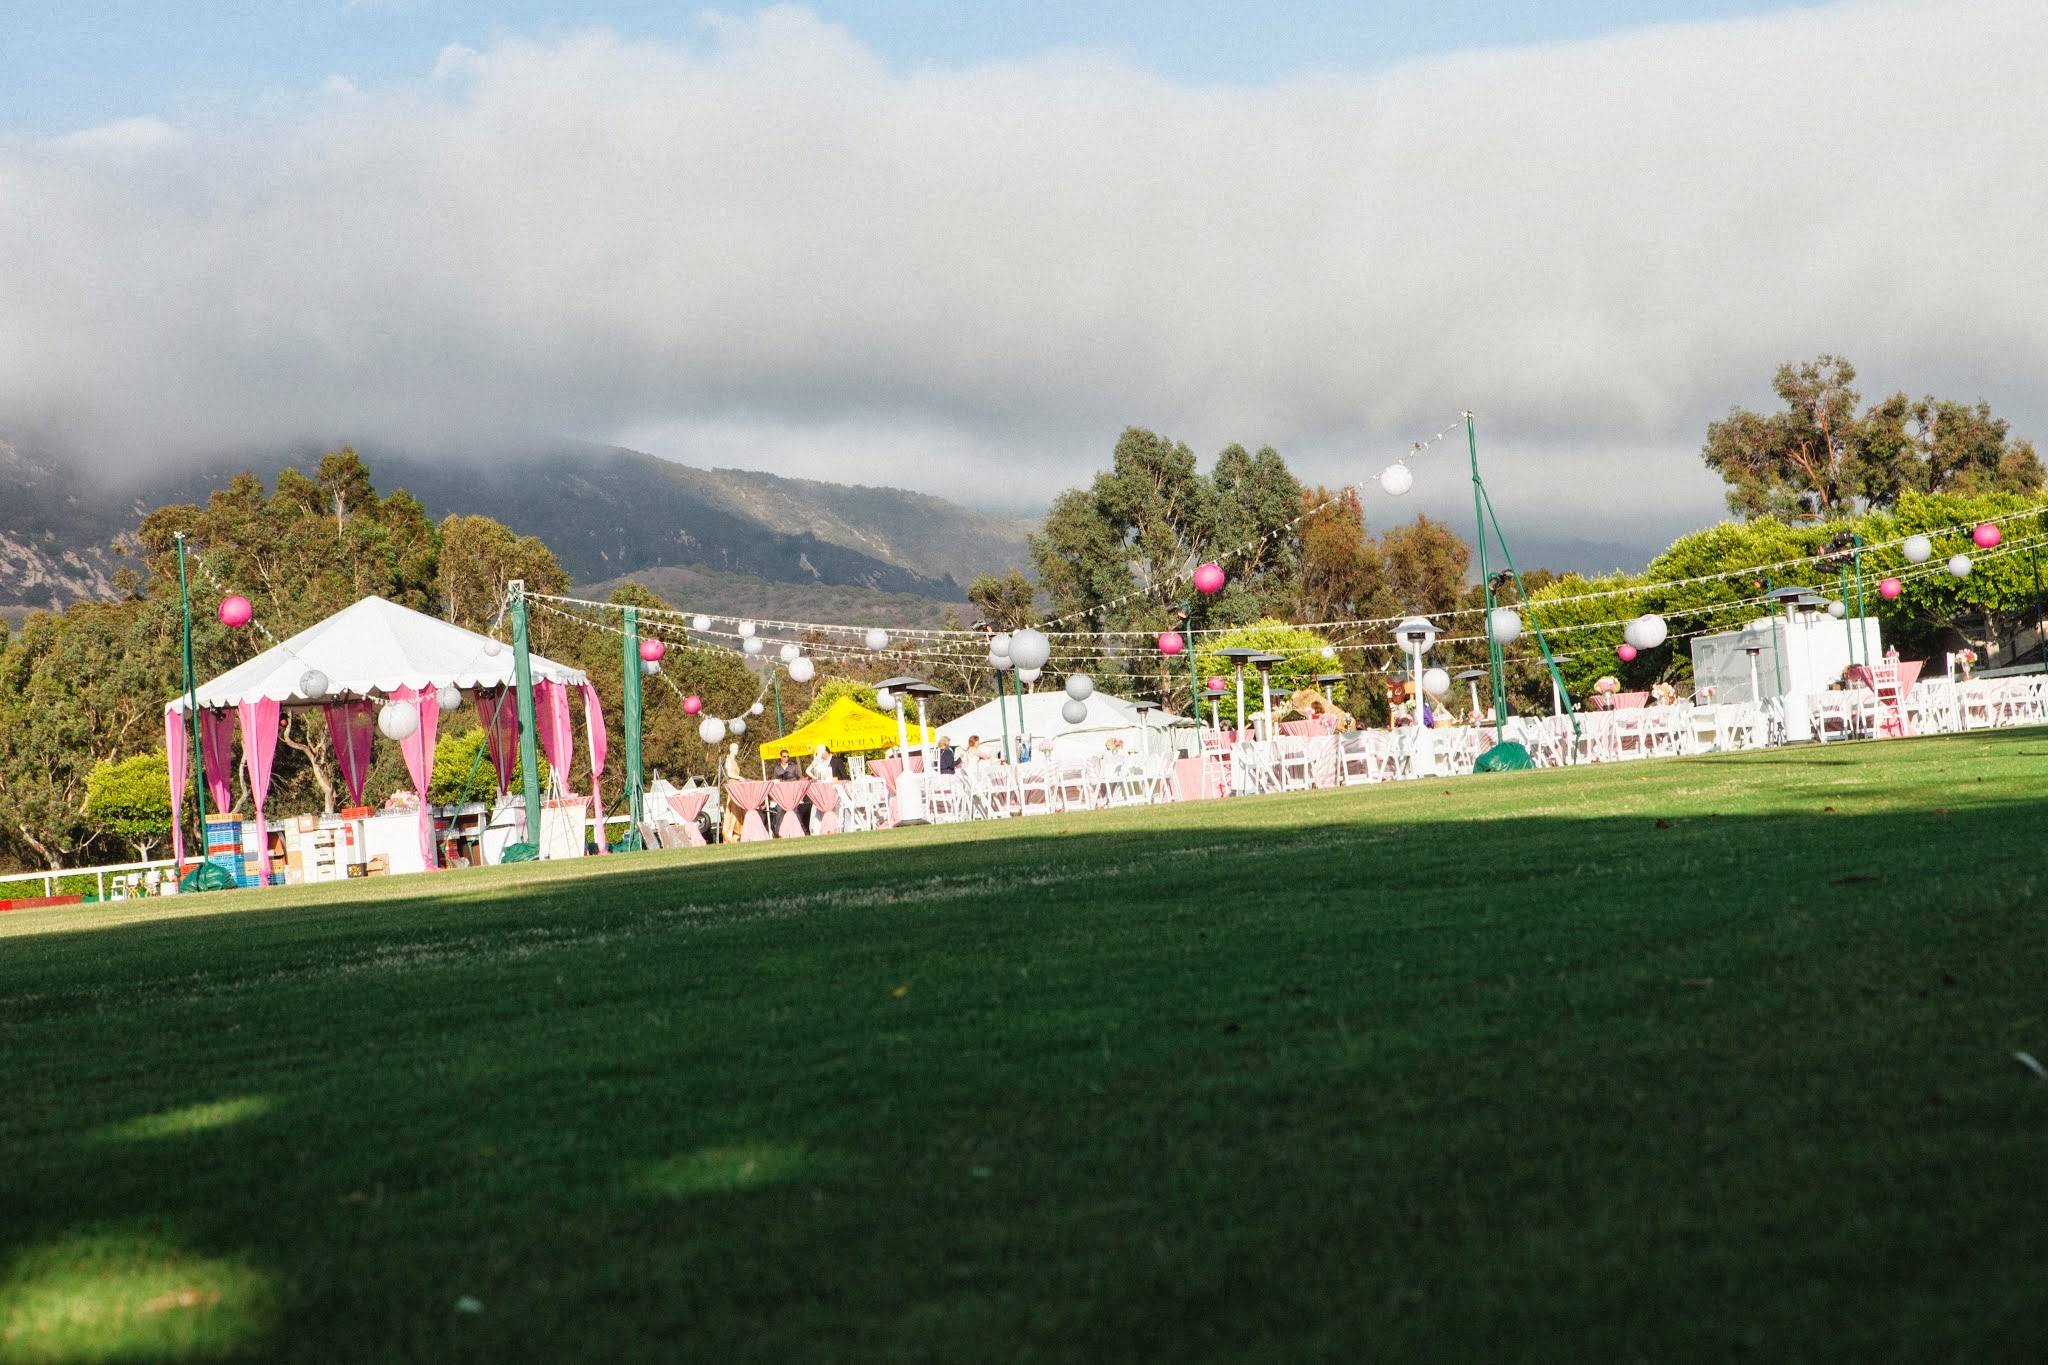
(1507, 757)
(520, 853)
(208, 877)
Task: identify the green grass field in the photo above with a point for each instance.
(1698, 1058)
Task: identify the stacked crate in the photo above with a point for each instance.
(224, 846)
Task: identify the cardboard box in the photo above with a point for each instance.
(308, 823)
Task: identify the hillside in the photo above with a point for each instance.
(607, 513)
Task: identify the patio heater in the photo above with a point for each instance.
(1264, 663)
(1239, 657)
(1325, 681)
(1472, 677)
(909, 784)
(1793, 669)
(1415, 635)
(1215, 696)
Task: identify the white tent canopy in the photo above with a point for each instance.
(1107, 715)
(373, 648)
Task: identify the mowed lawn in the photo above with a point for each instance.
(1699, 1058)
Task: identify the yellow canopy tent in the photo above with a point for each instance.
(847, 727)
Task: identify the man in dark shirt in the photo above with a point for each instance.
(786, 769)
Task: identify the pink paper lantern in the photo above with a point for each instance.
(692, 705)
(1215, 684)
(1987, 536)
(1209, 578)
(1171, 643)
(1626, 653)
(652, 650)
(236, 611)
(1890, 588)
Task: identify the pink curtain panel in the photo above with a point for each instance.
(175, 753)
(217, 752)
(418, 748)
(352, 729)
(259, 749)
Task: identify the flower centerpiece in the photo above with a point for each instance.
(1113, 744)
(1966, 659)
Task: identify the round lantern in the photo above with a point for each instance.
(652, 650)
(700, 622)
(1917, 549)
(1028, 675)
(650, 666)
(710, 729)
(1650, 631)
(493, 648)
(999, 645)
(692, 705)
(885, 699)
(1080, 686)
(751, 645)
(736, 726)
(1625, 652)
(1837, 610)
(1890, 589)
(1987, 536)
(1959, 566)
(1217, 684)
(1504, 625)
(398, 720)
(788, 654)
(997, 661)
(1435, 681)
(747, 629)
(1396, 479)
(1171, 643)
(1029, 649)
(802, 670)
(1074, 712)
(236, 611)
(448, 696)
(1629, 629)
(1328, 651)
(876, 639)
(756, 709)
(1210, 577)
(312, 684)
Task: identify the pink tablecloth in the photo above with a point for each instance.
(688, 806)
(1192, 776)
(787, 796)
(749, 797)
(825, 797)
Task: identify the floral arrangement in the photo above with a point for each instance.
(1113, 744)
(1966, 658)
(1705, 693)
(1607, 683)
(1664, 694)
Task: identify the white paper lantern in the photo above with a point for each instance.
(999, 646)
(312, 684)
(1396, 479)
(650, 666)
(1959, 565)
(885, 699)
(448, 696)
(1328, 651)
(398, 719)
(1080, 686)
(747, 629)
(1029, 649)
(1650, 631)
(788, 654)
(876, 639)
(493, 648)
(802, 670)
(1504, 625)
(1917, 549)
(1074, 712)
(1435, 681)
(756, 709)
(1028, 675)
(999, 662)
(700, 622)
(736, 725)
(1631, 633)
(1837, 610)
(711, 729)
(751, 645)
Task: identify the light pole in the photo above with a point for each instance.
(1415, 635)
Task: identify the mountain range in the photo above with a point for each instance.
(726, 539)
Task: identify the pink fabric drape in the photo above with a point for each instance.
(688, 806)
(787, 797)
(351, 728)
(418, 748)
(749, 797)
(217, 752)
(259, 749)
(825, 796)
(551, 718)
(175, 742)
(593, 732)
(498, 713)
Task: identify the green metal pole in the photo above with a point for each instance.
(775, 677)
(522, 675)
(1495, 663)
(1853, 625)
(1003, 712)
(192, 707)
(631, 702)
(1023, 737)
(1529, 616)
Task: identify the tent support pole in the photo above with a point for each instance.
(192, 708)
(631, 704)
(522, 672)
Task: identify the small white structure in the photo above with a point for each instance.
(1108, 718)
(1774, 656)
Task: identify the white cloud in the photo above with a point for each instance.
(769, 249)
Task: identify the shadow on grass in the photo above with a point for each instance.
(1405, 1071)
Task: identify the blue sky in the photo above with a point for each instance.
(70, 65)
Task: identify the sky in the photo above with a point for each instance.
(959, 248)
